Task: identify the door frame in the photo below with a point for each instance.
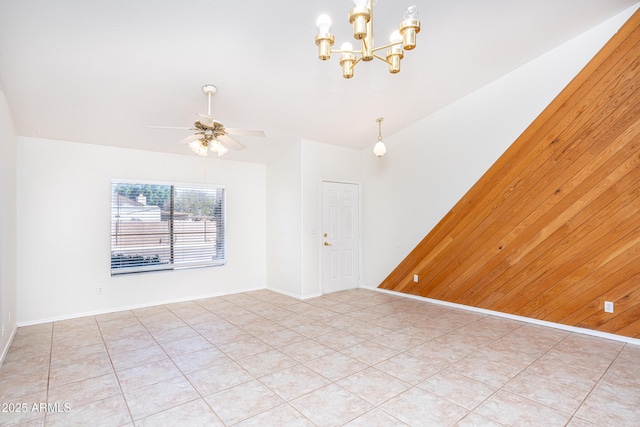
(321, 228)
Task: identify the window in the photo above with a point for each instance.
(166, 227)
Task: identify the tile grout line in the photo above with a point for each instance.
(114, 369)
(255, 378)
(44, 419)
(575, 413)
(184, 376)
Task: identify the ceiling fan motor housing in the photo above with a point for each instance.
(214, 130)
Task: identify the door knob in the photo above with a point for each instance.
(327, 244)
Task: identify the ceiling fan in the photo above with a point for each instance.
(210, 134)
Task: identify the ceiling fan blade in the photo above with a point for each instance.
(230, 142)
(168, 127)
(190, 138)
(247, 132)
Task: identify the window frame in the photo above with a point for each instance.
(216, 261)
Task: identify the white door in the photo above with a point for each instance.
(340, 236)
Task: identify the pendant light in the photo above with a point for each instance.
(379, 149)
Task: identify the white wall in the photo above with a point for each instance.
(64, 229)
(294, 212)
(320, 162)
(8, 235)
(431, 164)
(284, 219)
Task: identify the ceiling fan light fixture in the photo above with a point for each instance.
(199, 146)
(217, 147)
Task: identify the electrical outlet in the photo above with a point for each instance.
(608, 307)
(415, 278)
(99, 290)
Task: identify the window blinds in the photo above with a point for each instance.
(166, 226)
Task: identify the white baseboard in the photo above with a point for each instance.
(134, 306)
(281, 292)
(584, 331)
(576, 329)
(304, 297)
(292, 295)
(5, 350)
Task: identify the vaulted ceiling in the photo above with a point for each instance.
(99, 72)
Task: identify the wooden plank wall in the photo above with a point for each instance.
(552, 230)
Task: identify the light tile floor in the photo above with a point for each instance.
(354, 358)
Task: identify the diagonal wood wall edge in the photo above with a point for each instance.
(552, 230)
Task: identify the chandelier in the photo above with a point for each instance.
(361, 17)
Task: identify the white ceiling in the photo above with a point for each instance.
(101, 71)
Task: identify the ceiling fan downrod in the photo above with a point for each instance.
(209, 90)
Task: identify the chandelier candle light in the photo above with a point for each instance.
(361, 17)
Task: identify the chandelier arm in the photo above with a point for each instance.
(346, 51)
(381, 59)
(385, 46)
